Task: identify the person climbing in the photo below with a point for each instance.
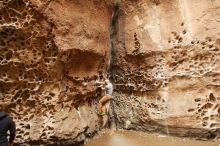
(6, 124)
(107, 97)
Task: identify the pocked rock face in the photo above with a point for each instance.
(166, 66)
(51, 53)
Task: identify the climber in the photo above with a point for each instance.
(6, 124)
(107, 97)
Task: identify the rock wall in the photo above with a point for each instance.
(51, 53)
(166, 66)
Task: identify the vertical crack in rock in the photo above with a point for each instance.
(113, 32)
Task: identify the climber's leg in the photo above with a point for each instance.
(102, 103)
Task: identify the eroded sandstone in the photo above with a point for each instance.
(51, 53)
(165, 67)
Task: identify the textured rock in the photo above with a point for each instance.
(165, 66)
(51, 54)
